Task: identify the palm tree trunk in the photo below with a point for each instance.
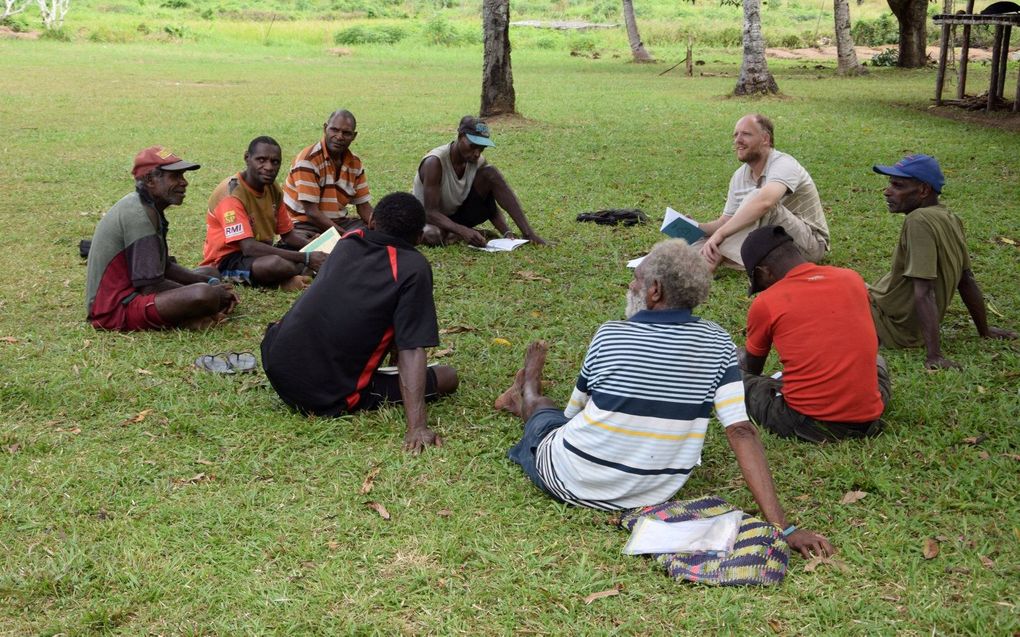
(846, 57)
(637, 47)
(755, 77)
(498, 95)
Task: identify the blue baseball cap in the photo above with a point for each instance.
(920, 167)
(476, 131)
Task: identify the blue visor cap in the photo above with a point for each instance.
(476, 131)
(920, 167)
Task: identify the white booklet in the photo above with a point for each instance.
(502, 245)
(715, 535)
(325, 242)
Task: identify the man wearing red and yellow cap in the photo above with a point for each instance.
(132, 282)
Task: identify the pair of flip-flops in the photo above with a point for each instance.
(227, 362)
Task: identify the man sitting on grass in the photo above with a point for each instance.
(636, 421)
(373, 295)
(325, 178)
(929, 263)
(834, 384)
(770, 187)
(246, 213)
(132, 282)
(460, 191)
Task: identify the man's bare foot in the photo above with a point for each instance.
(203, 322)
(295, 283)
(511, 399)
(534, 363)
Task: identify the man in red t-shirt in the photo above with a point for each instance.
(834, 385)
(246, 213)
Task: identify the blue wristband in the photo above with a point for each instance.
(213, 281)
(788, 530)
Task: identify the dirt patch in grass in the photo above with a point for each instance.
(9, 33)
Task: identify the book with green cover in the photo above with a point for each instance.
(680, 226)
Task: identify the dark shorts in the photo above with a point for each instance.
(236, 268)
(346, 224)
(768, 409)
(542, 423)
(137, 314)
(475, 209)
(385, 388)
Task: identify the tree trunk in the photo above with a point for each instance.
(912, 16)
(637, 47)
(754, 70)
(498, 95)
(847, 63)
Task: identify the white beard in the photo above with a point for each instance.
(635, 302)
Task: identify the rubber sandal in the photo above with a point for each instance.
(227, 363)
(242, 362)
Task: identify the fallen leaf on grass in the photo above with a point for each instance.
(456, 329)
(987, 561)
(983, 455)
(195, 479)
(369, 481)
(851, 497)
(1014, 456)
(10, 340)
(69, 430)
(818, 560)
(961, 570)
(13, 449)
(143, 372)
(333, 545)
(776, 626)
(204, 462)
(439, 353)
(609, 592)
(142, 415)
(528, 275)
(1006, 241)
(931, 548)
(444, 513)
(379, 508)
(802, 497)
(501, 341)
(981, 390)
(975, 440)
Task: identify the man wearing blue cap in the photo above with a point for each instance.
(460, 190)
(929, 263)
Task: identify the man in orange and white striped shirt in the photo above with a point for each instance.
(325, 178)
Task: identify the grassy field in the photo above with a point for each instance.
(139, 496)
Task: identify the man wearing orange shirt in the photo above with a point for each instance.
(325, 178)
(246, 213)
(834, 385)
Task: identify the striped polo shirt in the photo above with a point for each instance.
(315, 178)
(639, 411)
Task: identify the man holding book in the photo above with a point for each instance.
(245, 215)
(770, 188)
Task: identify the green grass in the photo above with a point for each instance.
(106, 529)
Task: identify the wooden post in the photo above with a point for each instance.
(1004, 61)
(961, 87)
(940, 77)
(994, 83)
(1016, 100)
(690, 56)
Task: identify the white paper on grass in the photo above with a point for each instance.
(709, 535)
(502, 245)
(633, 263)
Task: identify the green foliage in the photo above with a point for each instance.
(582, 43)
(17, 23)
(362, 34)
(109, 35)
(881, 30)
(61, 34)
(439, 31)
(175, 4)
(178, 31)
(888, 57)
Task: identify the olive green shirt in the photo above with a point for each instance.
(932, 246)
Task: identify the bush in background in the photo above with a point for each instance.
(361, 34)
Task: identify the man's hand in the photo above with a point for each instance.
(534, 238)
(316, 260)
(228, 297)
(999, 333)
(808, 543)
(710, 250)
(416, 440)
(940, 362)
(472, 236)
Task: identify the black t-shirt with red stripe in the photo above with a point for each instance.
(373, 293)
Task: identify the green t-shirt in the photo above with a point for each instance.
(932, 246)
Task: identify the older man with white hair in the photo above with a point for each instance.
(635, 425)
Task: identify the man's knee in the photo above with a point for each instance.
(447, 379)
(432, 236)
